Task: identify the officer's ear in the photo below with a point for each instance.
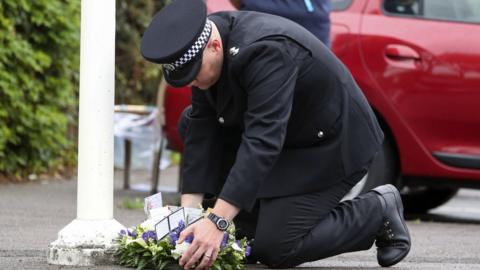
(215, 45)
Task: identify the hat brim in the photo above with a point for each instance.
(185, 75)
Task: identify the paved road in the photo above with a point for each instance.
(31, 215)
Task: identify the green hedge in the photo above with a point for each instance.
(39, 61)
(136, 80)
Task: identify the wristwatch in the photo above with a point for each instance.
(221, 223)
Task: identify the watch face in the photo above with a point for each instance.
(222, 224)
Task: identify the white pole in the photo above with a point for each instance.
(87, 240)
(95, 152)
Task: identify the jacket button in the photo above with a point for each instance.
(320, 134)
(221, 120)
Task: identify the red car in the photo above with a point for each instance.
(418, 63)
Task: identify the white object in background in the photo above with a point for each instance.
(88, 240)
(134, 126)
(145, 133)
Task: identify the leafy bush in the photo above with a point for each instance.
(136, 79)
(39, 64)
(39, 61)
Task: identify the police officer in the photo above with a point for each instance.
(278, 128)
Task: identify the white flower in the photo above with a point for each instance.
(148, 225)
(180, 248)
(140, 241)
(236, 247)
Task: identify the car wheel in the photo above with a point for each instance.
(383, 170)
(418, 200)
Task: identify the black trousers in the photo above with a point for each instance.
(308, 227)
(291, 230)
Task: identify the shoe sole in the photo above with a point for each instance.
(398, 200)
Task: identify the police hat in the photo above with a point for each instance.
(176, 38)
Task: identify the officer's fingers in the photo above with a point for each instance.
(186, 232)
(188, 253)
(214, 257)
(206, 259)
(194, 258)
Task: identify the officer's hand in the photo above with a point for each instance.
(205, 245)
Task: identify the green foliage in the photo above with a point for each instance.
(136, 203)
(39, 60)
(136, 79)
(137, 253)
(39, 64)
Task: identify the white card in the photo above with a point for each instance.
(152, 202)
(193, 220)
(158, 213)
(173, 208)
(193, 214)
(162, 228)
(175, 218)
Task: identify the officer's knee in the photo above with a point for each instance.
(273, 253)
(183, 122)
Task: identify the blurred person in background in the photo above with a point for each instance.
(314, 15)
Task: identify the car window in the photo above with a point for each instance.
(338, 5)
(458, 10)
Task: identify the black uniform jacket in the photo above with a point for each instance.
(301, 121)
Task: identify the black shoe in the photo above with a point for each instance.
(393, 239)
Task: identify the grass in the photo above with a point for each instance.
(135, 203)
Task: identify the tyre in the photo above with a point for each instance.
(383, 170)
(418, 200)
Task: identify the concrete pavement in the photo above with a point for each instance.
(31, 215)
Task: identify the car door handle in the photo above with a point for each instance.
(399, 52)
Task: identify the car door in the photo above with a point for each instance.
(424, 55)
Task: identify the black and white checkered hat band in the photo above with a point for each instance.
(193, 51)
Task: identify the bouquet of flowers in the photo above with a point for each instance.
(141, 248)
